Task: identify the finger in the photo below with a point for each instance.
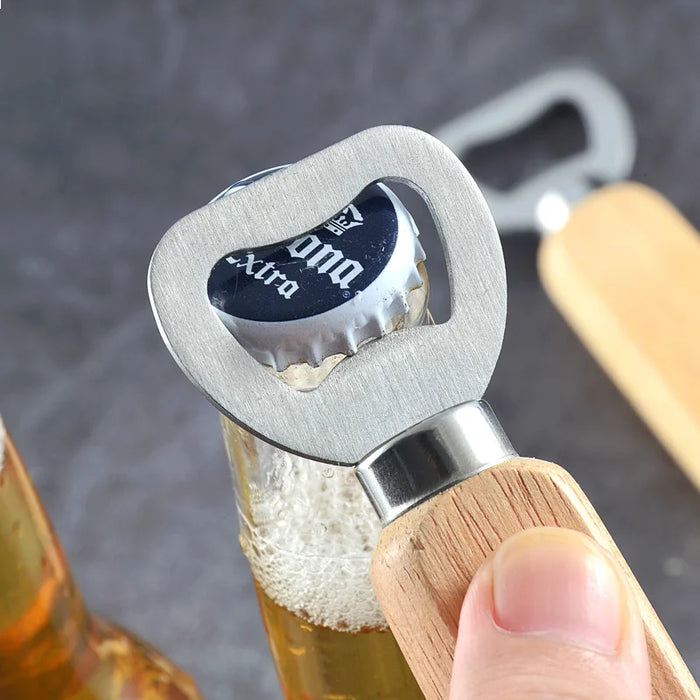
(549, 616)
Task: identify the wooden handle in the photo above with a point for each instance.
(625, 273)
(425, 559)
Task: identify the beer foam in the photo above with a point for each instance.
(309, 536)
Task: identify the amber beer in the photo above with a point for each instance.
(321, 662)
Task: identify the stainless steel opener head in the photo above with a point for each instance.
(390, 385)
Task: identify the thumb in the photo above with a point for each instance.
(550, 617)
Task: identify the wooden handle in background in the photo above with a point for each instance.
(425, 559)
(625, 273)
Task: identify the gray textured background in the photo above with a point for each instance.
(118, 118)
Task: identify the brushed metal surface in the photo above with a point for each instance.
(390, 385)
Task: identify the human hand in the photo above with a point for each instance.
(549, 616)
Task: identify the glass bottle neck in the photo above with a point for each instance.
(42, 617)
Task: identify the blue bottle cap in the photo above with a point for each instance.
(324, 292)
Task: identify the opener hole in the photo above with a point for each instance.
(435, 264)
(502, 164)
(302, 305)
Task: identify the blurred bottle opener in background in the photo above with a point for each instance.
(619, 261)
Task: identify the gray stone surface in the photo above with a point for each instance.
(117, 118)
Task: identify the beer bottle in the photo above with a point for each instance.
(51, 646)
(307, 528)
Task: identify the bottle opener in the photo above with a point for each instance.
(429, 453)
(620, 262)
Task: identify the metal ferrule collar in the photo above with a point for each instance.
(432, 456)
